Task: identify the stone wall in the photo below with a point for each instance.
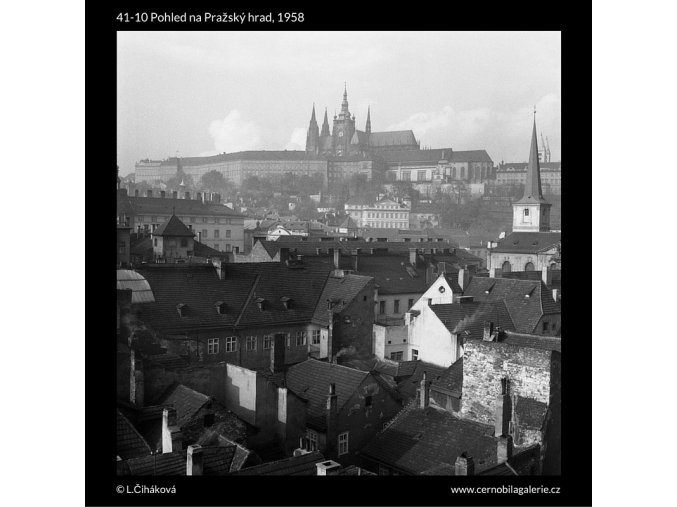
(485, 364)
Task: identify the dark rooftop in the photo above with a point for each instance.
(527, 242)
(297, 465)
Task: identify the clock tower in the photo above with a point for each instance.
(344, 128)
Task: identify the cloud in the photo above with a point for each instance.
(504, 134)
(297, 141)
(233, 133)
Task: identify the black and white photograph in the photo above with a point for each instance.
(328, 266)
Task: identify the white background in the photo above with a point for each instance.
(633, 283)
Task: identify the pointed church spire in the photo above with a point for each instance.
(313, 134)
(344, 104)
(312, 117)
(532, 188)
(367, 128)
(325, 124)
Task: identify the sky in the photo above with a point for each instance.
(202, 93)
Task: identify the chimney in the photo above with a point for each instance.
(413, 255)
(175, 194)
(328, 468)
(555, 294)
(463, 278)
(503, 449)
(488, 331)
(355, 254)
(425, 392)
(171, 433)
(277, 353)
(337, 258)
(149, 193)
(135, 381)
(503, 410)
(464, 465)
(332, 420)
(162, 194)
(187, 195)
(199, 237)
(194, 460)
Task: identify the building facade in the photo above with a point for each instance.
(384, 214)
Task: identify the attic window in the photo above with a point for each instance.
(288, 303)
(261, 302)
(182, 309)
(220, 307)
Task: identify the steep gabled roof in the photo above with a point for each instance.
(173, 227)
(129, 442)
(216, 461)
(342, 291)
(451, 380)
(310, 380)
(393, 138)
(471, 156)
(186, 401)
(532, 188)
(526, 300)
(423, 439)
(296, 465)
(528, 242)
(467, 319)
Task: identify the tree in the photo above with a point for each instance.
(214, 181)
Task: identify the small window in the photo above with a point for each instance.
(545, 327)
(396, 308)
(526, 212)
(231, 344)
(396, 356)
(217, 234)
(343, 444)
(205, 233)
(316, 336)
(213, 346)
(301, 338)
(410, 303)
(414, 354)
(312, 440)
(251, 342)
(227, 233)
(154, 242)
(381, 307)
(268, 342)
(184, 243)
(367, 401)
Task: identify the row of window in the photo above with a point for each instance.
(389, 225)
(343, 446)
(300, 338)
(396, 306)
(217, 233)
(386, 215)
(186, 220)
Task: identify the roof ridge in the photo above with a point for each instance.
(145, 442)
(247, 301)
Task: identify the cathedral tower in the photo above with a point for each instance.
(312, 139)
(367, 127)
(344, 127)
(532, 212)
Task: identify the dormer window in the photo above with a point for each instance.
(182, 309)
(220, 307)
(261, 302)
(288, 303)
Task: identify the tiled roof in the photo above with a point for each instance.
(451, 381)
(297, 465)
(408, 386)
(527, 242)
(471, 156)
(310, 380)
(401, 137)
(524, 311)
(519, 464)
(522, 166)
(342, 291)
(555, 276)
(186, 401)
(530, 413)
(216, 461)
(199, 287)
(423, 439)
(533, 341)
(159, 206)
(173, 227)
(129, 442)
(467, 319)
(414, 157)
(168, 361)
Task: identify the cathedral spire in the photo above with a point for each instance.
(325, 124)
(313, 121)
(313, 134)
(344, 104)
(532, 189)
(367, 128)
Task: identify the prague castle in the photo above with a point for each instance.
(337, 155)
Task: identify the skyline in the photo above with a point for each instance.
(202, 93)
